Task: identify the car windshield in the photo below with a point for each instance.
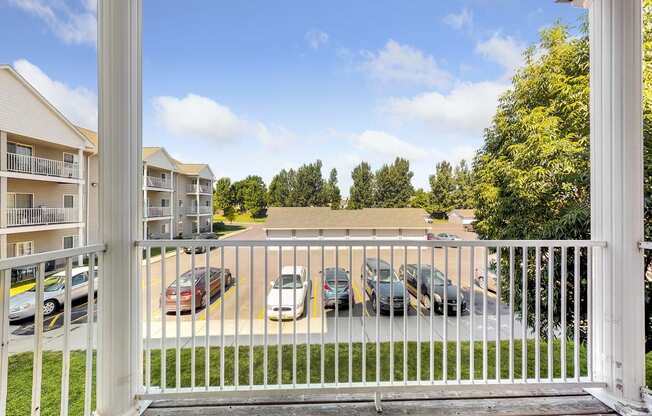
(52, 284)
(331, 276)
(185, 280)
(387, 276)
(288, 281)
(437, 276)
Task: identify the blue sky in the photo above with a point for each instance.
(251, 87)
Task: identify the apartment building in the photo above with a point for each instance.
(49, 180)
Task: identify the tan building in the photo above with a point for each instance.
(49, 180)
(361, 224)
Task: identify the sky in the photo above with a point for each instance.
(252, 87)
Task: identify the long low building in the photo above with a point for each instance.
(361, 224)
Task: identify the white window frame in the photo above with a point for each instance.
(74, 157)
(22, 243)
(63, 241)
(31, 146)
(13, 194)
(63, 201)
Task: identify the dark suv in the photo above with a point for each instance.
(432, 291)
(380, 282)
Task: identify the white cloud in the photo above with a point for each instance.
(78, 104)
(468, 107)
(204, 118)
(460, 20)
(406, 64)
(385, 144)
(73, 25)
(316, 38)
(502, 50)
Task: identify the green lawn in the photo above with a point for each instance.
(240, 218)
(20, 368)
(155, 251)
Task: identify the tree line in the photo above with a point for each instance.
(390, 186)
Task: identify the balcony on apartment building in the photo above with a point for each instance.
(25, 163)
(158, 212)
(41, 216)
(158, 182)
(200, 188)
(203, 210)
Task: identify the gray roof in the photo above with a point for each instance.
(465, 213)
(301, 218)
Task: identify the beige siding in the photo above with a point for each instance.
(43, 240)
(46, 194)
(279, 234)
(333, 234)
(23, 112)
(307, 234)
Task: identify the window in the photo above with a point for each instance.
(165, 203)
(69, 241)
(69, 157)
(19, 149)
(15, 200)
(165, 228)
(80, 278)
(24, 248)
(69, 201)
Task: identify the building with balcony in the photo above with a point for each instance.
(43, 176)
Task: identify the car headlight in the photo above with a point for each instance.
(384, 299)
(22, 307)
(437, 297)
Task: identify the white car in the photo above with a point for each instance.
(22, 306)
(287, 297)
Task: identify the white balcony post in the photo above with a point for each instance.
(119, 363)
(3, 150)
(617, 199)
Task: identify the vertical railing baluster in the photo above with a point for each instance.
(524, 316)
(163, 322)
(193, 317)
(419, 303)
(391, 317)
(563, 312)
(5, 284)
(67, 304)
(485, 353)
(265, 317)
(236, 337)
(431, 312)
(472, 313)
(406, 299)
(458, 307)
(279, 349)
(378, 312)
(208, 281)
(294, 316)
(551, 289)
(37, 367)
(309, 316)
(148, 316)
(537, 315)
(251, 316)
(589, 311)
(364, 311)
(177, 312)
(445, 321)
(351, 303)
(222, 293)
(576, 314)
(511, 313)
(321, 348)
(337, 312)
(90, 314)
(498, 317)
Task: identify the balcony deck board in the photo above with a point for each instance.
(545, 402)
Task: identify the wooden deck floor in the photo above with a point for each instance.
(569, 402)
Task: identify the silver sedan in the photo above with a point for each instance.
(22, 306)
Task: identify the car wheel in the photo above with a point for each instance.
(49, 307)
(373, 302)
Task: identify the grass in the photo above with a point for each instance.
(155, 251)
(228, 229)
(240, 218)
(20, 368)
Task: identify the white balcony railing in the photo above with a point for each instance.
(41, 166)
(531, 318)
(199, 189)
(203, 210)
(157, 182)
(41, 216)
(154, 212)
(74, 333)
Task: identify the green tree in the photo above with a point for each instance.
(280, 189)
(361, 193)
(222, 194)
(308, 189)
(332, 192)
(463, 196)
(254, 195)
(442, 188)
(421, 199)
(394, 185)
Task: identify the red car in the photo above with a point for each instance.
(201, 297)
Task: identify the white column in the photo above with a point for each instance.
(81, 203)
(173, 205)
(617, 198)
(3, 150)
(121, 179)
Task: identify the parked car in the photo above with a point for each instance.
(288, 293)
(491, 281)
(185, 288)
(380, 282)
(337, 288)
(447, 237)
(22, 306)
(432, 291)
(199, 249)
